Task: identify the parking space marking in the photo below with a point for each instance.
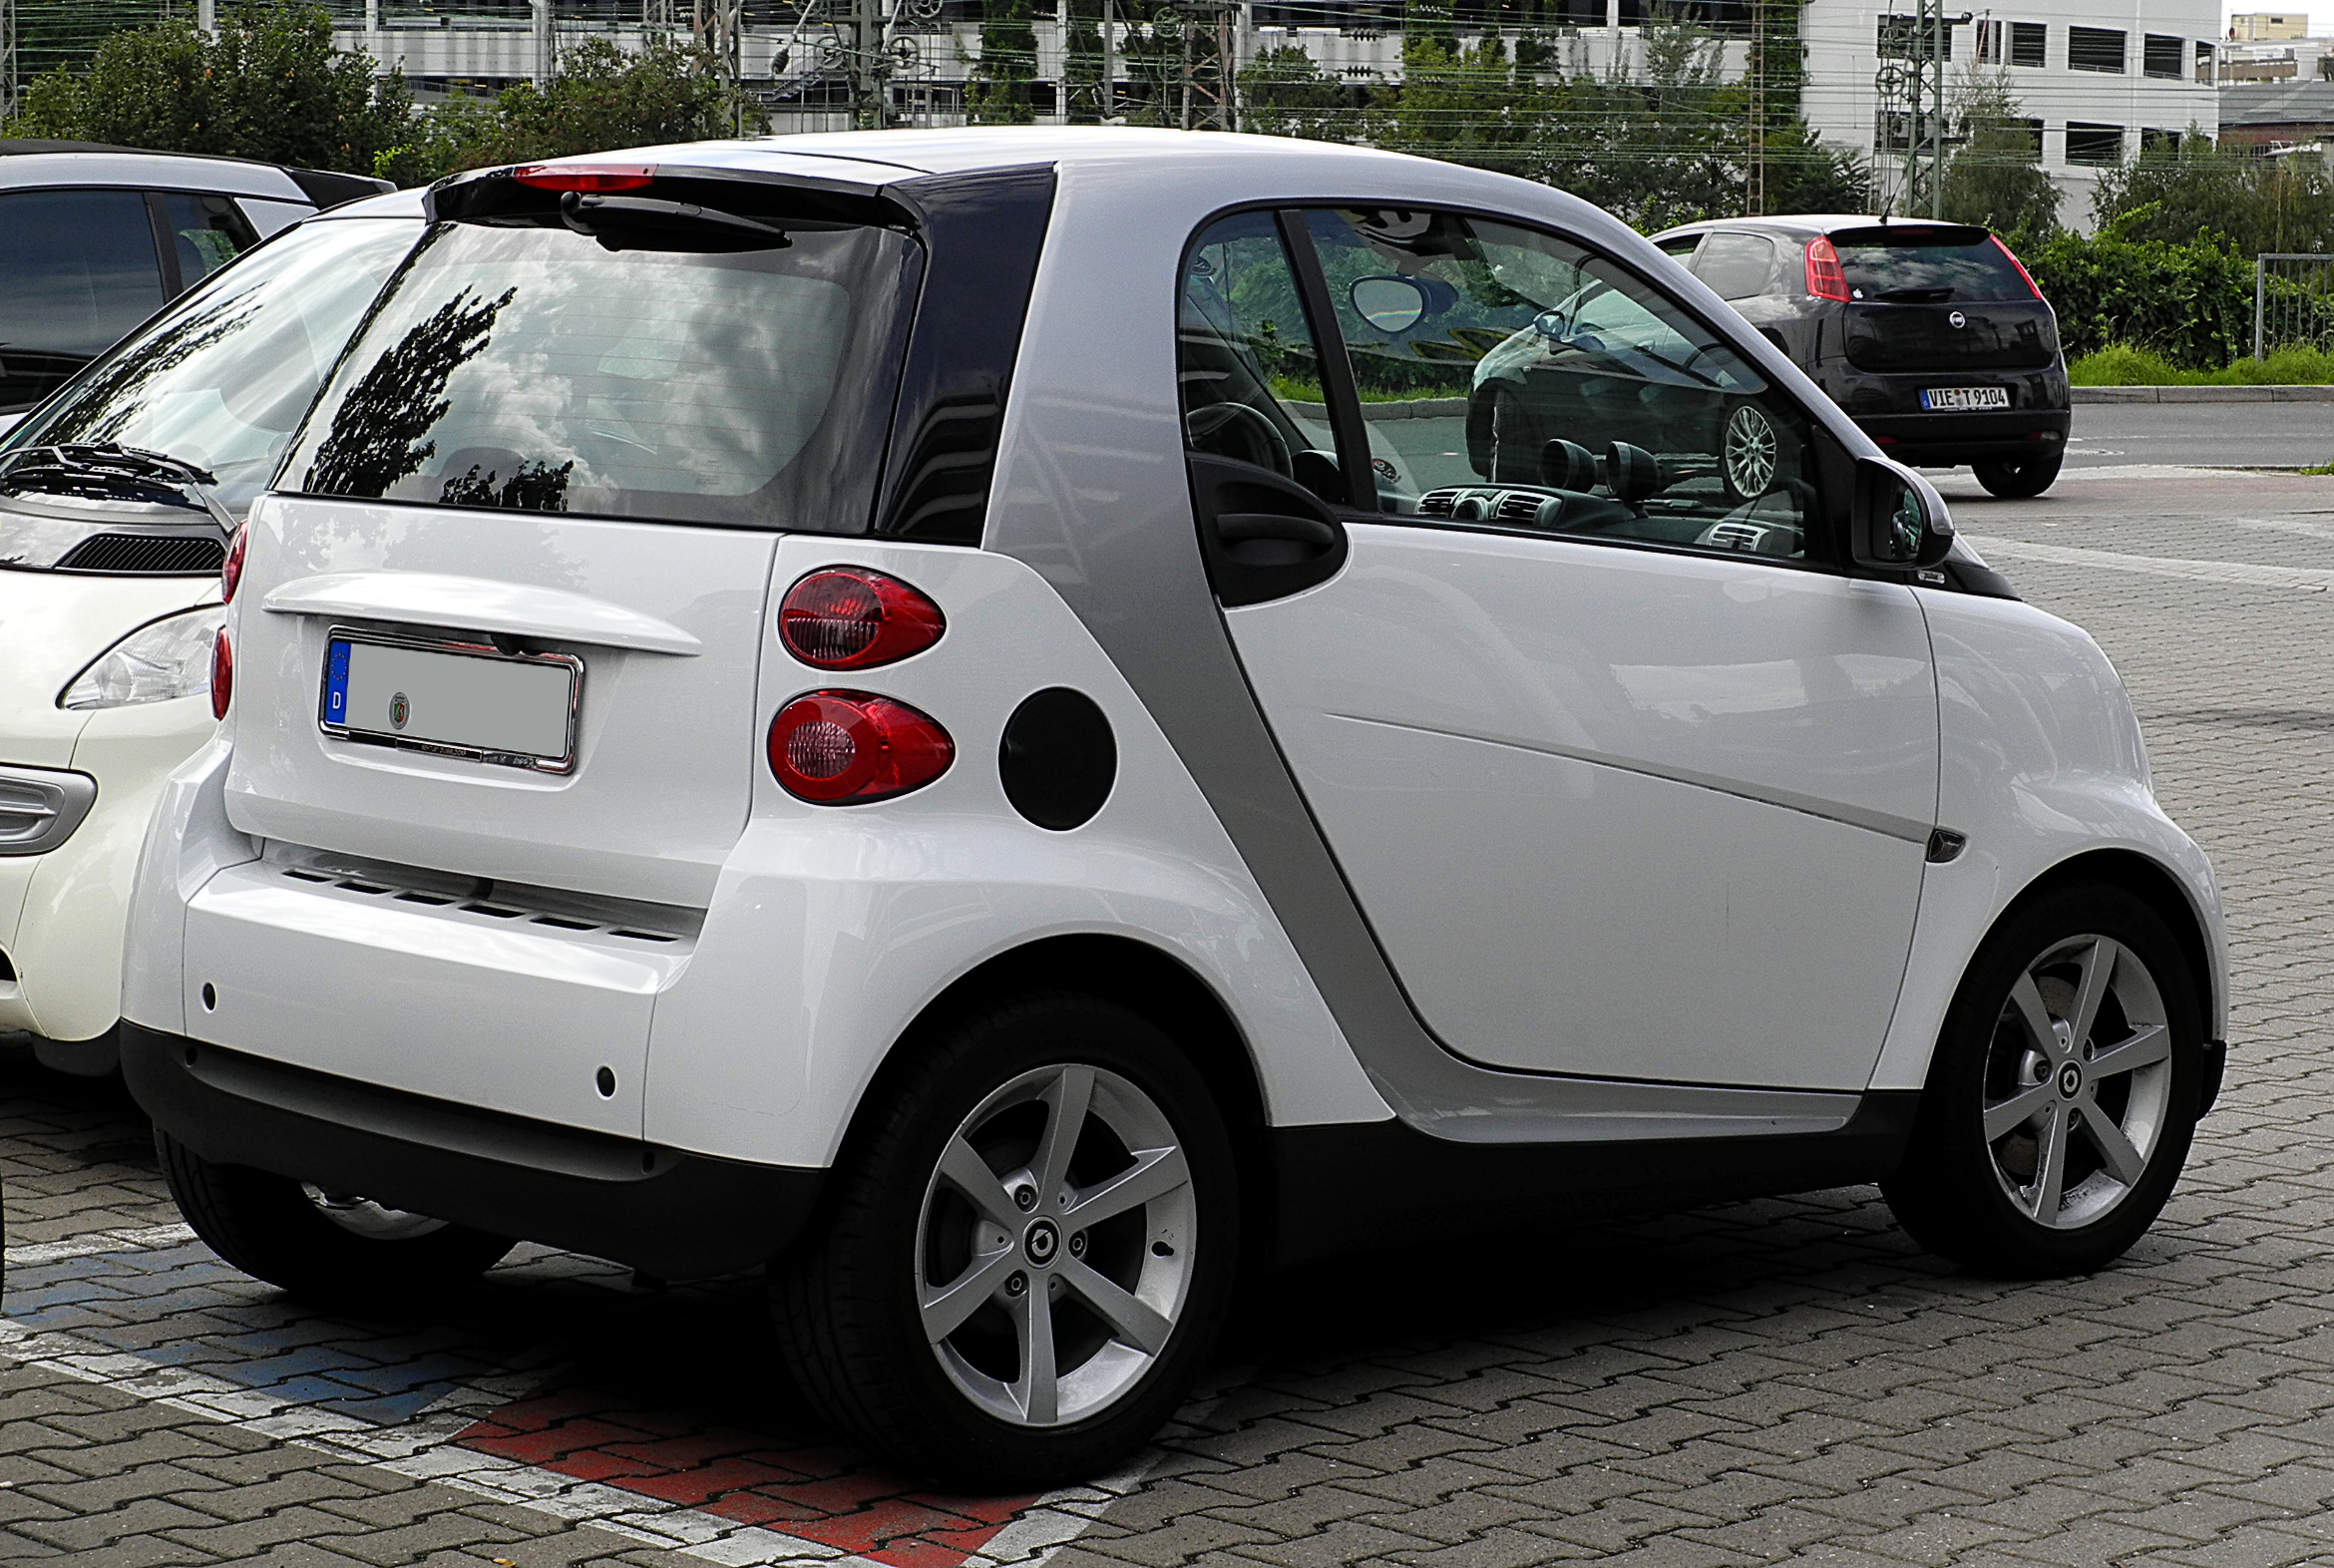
(2235, 573)
(431, 1410)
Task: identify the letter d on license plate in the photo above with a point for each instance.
(453, 698)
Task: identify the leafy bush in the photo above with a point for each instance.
(2190, 303)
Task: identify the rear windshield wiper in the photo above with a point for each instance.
(1915, 297)
(103, 471)
(623, 222)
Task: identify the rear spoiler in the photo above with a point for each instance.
(327, 188)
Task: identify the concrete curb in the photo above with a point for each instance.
(1410, 408)
(2253, 394)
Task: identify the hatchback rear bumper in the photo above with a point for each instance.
(1945, 440)
(668, 1213)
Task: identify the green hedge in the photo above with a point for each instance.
(2191, 303)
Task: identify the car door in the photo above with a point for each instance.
(1629, 778)
(78, 268)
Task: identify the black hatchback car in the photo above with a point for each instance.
(1930, 335)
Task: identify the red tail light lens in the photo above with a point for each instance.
(230, 574)
(2014, 261)
(586, 176)
(223, 676)
(1825, 281)
(848, 618)
(844, 747)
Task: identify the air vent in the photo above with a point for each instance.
(1735, 536)
(1438, 502)
(1519, 506)
(161, 554)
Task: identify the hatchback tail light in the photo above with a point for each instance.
(230, 572)
(2014, 261)
(844, 747)
(1825, 281)
(222, 674)
(849, 617)
(586, 176)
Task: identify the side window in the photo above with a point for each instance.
(76, 270)
(1681, 248)
(208, 233)
(1247, 371)
(1736, 267)
(1529, 383)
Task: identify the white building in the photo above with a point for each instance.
(2096, 79)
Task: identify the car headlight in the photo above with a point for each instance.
(162, 659)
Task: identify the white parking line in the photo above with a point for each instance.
(2240, 574)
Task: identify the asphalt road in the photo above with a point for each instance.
(2204, 435)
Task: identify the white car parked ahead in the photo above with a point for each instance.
(866, 704)
(117, 499)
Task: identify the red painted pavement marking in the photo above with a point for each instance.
(811, 1491)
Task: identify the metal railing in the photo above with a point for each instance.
(2293, 302)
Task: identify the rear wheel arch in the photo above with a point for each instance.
(1145, 980)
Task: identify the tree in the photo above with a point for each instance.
(998, 92)
(602, 98)
(2197, 189)
(267, 84)
(1996, 179)
(1283, 92)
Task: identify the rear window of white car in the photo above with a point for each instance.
(533, 369)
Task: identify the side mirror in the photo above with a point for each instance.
(1553, 325)
(1899, 522)
(1390, 304)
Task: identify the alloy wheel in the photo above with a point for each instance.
(1749, 451)
(2078, 1082)
(1055, 1250)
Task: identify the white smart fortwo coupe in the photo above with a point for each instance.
(943, 712)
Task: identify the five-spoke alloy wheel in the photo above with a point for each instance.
(2063, 1092)
(1027, 1250)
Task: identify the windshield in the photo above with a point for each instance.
(220, 381)
(536, 370)
(1910, 267)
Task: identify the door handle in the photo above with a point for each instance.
(1240, 527)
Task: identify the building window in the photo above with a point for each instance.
(2160, 56)
(2100, 146)
(2203, 61)
(2151, 141)
(1989, 43)
(2097, 49)
(2030, 43)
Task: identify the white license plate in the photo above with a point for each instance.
(1944, 400)
(453, 698)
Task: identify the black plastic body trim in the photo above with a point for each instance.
(2215, 1069)
(671, 1214)
(984, 232)
(1351, 1187)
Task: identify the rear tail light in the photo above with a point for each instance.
(1825, 281)
(586, 176)
(2014, 261)
(844, 747)
(230, 574)
(222, 674)
(848, 618)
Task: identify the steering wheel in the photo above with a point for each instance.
(1242, 433)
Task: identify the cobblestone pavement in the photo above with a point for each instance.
(1783, 1381)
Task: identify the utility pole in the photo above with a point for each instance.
(1210, 79)
(1755, 165)
(1109, 63)
(1911, 84)
(546, 49)
(8, 103)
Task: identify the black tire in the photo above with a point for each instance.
(271, 1229)
(1958, 1192)
(846, 1300)
(2019, 481)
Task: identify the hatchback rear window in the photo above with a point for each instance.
(1927, 267)
(533, 369)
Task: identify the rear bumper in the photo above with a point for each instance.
(1945, 440)
(671, 1214)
